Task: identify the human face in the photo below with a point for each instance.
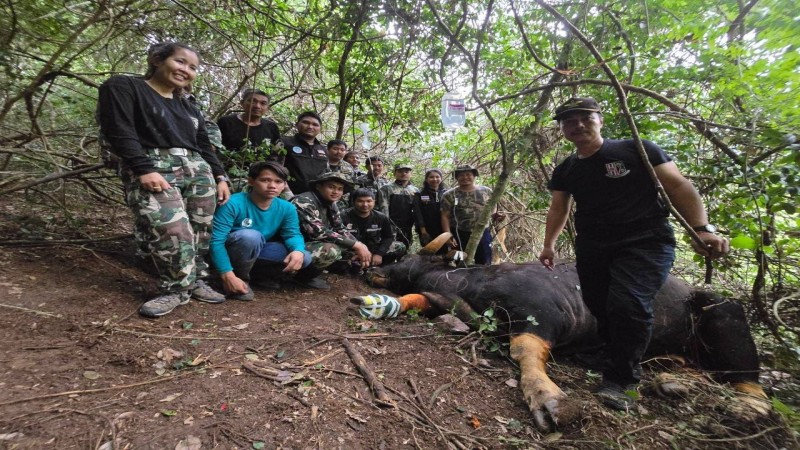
(267, 185)
(331, 191)
(465, 179)
(377, 168)
(178, 70)
(402, 175)
(364, 205)
(434, 180)
(336, 153)
(352, 158)
(582, 128)
(255, 106)
(308, 127)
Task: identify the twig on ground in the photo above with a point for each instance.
(369, 375)
(35, 311)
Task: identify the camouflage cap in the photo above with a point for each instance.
(333, 176)
(576, 104)
(465, 168)
(401, 166)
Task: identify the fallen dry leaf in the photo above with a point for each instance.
(172, 397)
(190, 443)
(91, 375)
(474, 422)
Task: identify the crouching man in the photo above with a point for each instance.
(326, 237)
(373, 228)
(257, 233)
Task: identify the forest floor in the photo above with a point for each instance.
(80, 369)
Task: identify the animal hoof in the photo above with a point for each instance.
(668, 385)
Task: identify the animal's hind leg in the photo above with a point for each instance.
(544, 398)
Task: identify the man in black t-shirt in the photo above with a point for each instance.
(305, 157)
(249, 127)
(373, 228)
(624, 246)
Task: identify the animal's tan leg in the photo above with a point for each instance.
(414, 301)
(752, 395)
(544, 398)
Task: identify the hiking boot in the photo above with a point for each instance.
(617, 397)
(205, 293)
(314, 283)
(163, 304)
(246, 297)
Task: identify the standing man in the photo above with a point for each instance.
(354, 160)
(460, 209)
(336, 163)
(625, 245)
(374, 178)
(249, 128)
(327, 239)
(244, 231)
(373, 228)
(396, 200)
(304, 156)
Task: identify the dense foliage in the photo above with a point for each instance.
(716, 84)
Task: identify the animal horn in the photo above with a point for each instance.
(434, 245)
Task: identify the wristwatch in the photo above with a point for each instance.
(221, 178)
(708, 228)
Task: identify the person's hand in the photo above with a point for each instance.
(363, 254)
(153, 182)
(377, 260)
(498, 217)
(715, 245)
(293, 261)
(223, 192)
(547, 256)
(424, 237)
(233, 284)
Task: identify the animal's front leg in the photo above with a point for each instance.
(544, 398)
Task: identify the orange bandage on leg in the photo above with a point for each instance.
(414, 301)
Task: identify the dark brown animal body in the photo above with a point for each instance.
(543, 310)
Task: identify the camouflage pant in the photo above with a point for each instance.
(323, 254)
(173, 227)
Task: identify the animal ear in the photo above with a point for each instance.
(434, 245)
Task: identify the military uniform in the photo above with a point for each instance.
(397, 202)
(327, 239)
(367, 181)
(464, 209)
(376, 232)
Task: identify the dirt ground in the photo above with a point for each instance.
(80, 369)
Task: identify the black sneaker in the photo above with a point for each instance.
(163, 304)
(205, 293)
(617, 397)
(266, 284)
(314, 283)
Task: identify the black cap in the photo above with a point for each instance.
(576, 104)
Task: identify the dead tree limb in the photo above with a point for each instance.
(369, 375)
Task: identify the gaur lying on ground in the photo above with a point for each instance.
(707, 329)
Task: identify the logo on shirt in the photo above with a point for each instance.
(247, 223)
(616, 169)
(297, 149)
(196, 123)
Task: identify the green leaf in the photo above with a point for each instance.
(187, 325)
(258, 445)
(169, 412)
(744, 242)
(280, 354)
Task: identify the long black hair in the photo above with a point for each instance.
(158, 53)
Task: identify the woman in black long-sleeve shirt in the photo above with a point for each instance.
(171, 174)
(427, 205)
